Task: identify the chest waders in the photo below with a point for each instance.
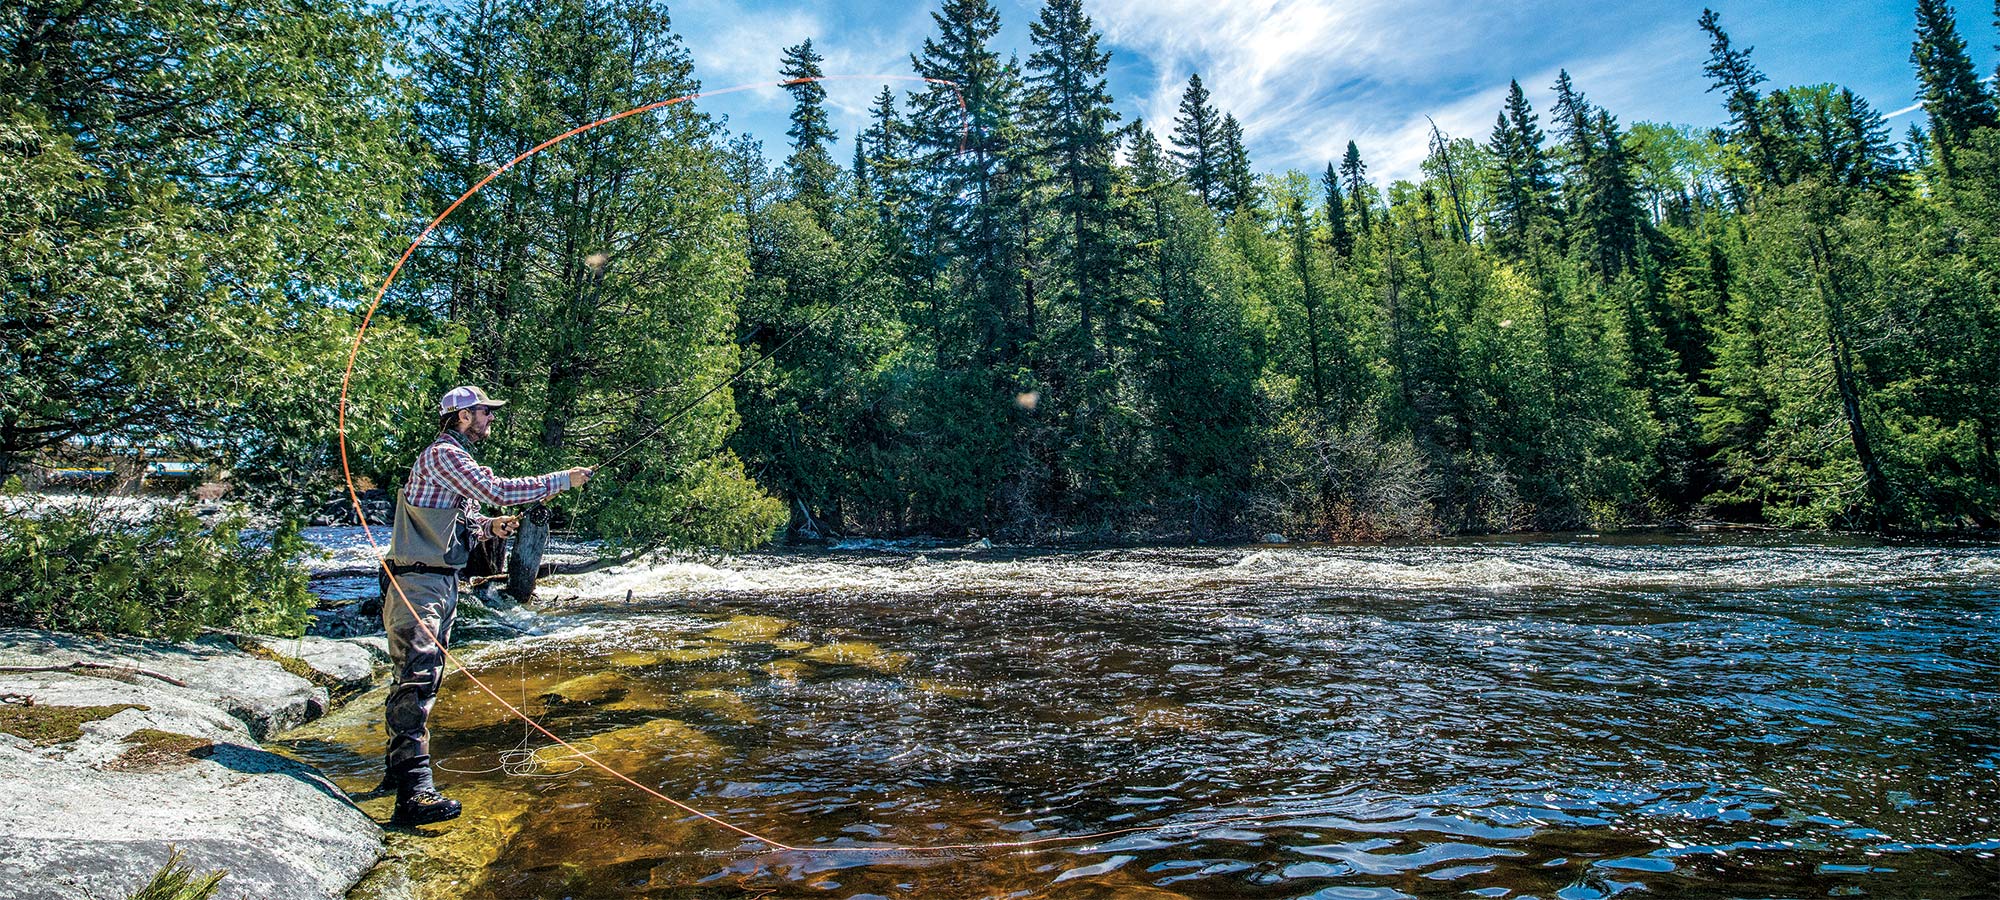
(427, 547)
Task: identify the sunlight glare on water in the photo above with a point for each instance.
(1703, 715)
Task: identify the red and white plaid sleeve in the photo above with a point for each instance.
(446, 475)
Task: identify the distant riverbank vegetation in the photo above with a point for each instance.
(1012, 312)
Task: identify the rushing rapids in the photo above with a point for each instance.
(1718, 714)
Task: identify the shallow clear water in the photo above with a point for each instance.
(1703, 715)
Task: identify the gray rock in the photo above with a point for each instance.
(1274, 538)
(68, 829)
(97, 816)
(259, 692)
(341, 662)
(377, 645)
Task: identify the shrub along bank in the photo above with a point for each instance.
(165, 572)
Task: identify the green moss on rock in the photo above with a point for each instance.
(50, 725)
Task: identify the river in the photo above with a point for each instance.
(1712, 714)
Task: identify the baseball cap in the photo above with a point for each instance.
(465, 397)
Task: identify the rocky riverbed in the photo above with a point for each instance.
(115, 753)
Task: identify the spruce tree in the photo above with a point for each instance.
(810, 167)
(1952, 96)
(1338, 235)
(970, 199)
(1073, 118)
(1354, 174)
(1198, 144)
(1520, 183)
(1611, 222)
(1239, 183)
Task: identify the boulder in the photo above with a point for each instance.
(146, 768)
(71, 829)
(258, 692)
(333, 662)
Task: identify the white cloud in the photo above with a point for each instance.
(731, 47)
(1307, 76)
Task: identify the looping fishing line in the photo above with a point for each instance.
(583, 752)
(528, 759)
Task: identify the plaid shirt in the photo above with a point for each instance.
(446, 475)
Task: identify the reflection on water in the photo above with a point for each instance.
(1694, 716)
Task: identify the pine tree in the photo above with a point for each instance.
(1520, 183)
(1198, 145)
(1338, 236)
(810, 167)
(1953, 97)
(1239, 183)
(1731, 71)
(1354, 174)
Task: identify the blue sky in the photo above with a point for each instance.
(1307, 76)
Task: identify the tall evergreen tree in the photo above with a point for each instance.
(1198, 145)
(810, 167)
(1952, 96)
(1731, 71)
(1354, 174)
(1338, 234)
(1611, 223)
(982, 318)
(1239, 183)
(1521, 185)
(1073, 111)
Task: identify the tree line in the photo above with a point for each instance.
(1012, 311)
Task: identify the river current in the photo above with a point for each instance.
(1721, 714)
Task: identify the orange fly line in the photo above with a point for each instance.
(577, 752)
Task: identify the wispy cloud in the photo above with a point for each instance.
(1307, 76)
(732, 44)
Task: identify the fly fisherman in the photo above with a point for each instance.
(437, 517)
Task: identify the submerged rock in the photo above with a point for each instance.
(749, 629)
(787, 670)
(859, 653)
(666, 740)
(726, 704)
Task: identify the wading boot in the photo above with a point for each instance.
(425, 807)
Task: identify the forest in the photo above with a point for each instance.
(1013, 312)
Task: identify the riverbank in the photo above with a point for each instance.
(115, 752)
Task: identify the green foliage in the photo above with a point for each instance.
(993, 323)
(596, 283)
(188, 186)
(177, 882)
(94, 568)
